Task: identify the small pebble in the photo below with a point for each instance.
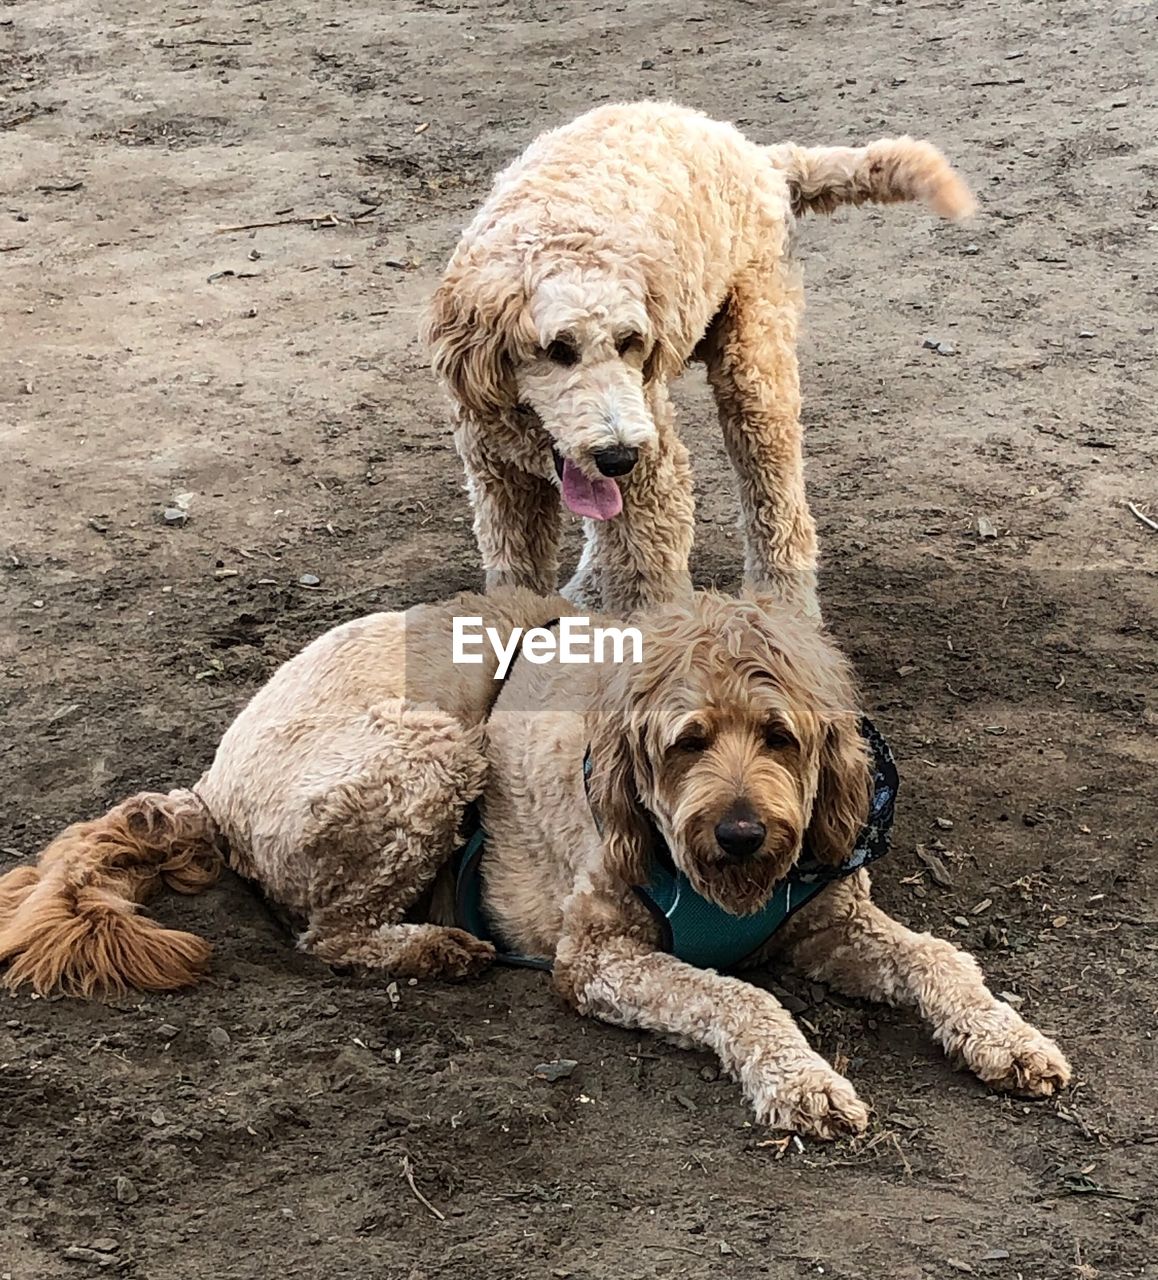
(310, 580)
(1012, 999)
(76, 1253)
(126, 1191)
(1086, 333)
(341, 264)
(647, 65)
(106, 1244)
(167, 1031)
(560, 1069)
(971, 249)
(219, 1038)
(946, 824)
(174, 515)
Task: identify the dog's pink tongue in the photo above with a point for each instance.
(594, 499)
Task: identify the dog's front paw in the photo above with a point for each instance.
(810, 1099)
(1007, 1053)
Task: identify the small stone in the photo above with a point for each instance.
(1060, 922)
(341, 264)
(971, 249)
(946, 349)
(710, 1073)
(106, 1244)
(77, 1253)
(1012, 999)
(995, 1255)
(986, 528)
(158, 1118)
(726, 1249)
(960, 920)
(946, 824)
(167, 1031)
(1086, 333)
(38, 604)
(559, 1069)
(648, 64)
(219, 1038)
(310, 580)
(328, 1011)
(685, 1102)
(175, 516)
(254, 255)
(126, 1191)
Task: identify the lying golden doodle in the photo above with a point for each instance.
(612, 252)
(723, 762)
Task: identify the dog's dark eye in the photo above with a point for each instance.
(777, 737)
(629, 342)
(561, 352)
(692, 742)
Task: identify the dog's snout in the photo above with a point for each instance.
(616, 461)
(740, 833)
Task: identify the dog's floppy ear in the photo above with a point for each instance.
(613, 789)
(470, 331)
(843, 791)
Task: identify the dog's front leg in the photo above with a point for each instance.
(623, 981)
(845, 940)
(517, 521)
(641, 557)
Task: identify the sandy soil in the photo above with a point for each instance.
(271, 381)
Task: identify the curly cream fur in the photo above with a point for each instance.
(645, 235)
(560, 868)
(339, 788)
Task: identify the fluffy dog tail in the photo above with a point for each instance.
(71, 922)
(889, 171)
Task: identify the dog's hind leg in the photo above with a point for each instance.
(402, 950)
(641, 557)
(383, 821)
(750, 352)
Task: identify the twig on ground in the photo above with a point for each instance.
(179, 44)
(408, 1174)
(678, 1248)
(329, 219)
(1141, 515)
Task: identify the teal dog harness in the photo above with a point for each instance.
(693, 928)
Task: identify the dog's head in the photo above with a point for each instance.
(737, 739)
(567, 330)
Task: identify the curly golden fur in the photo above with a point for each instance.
(613, 251)
(739, 707)
(341, 786)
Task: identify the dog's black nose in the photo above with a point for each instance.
(740, 835)
(617, 461)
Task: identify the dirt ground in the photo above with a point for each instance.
(271, 382)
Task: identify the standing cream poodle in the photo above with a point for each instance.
(616, 249)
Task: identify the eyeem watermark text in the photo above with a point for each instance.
(573, 640)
